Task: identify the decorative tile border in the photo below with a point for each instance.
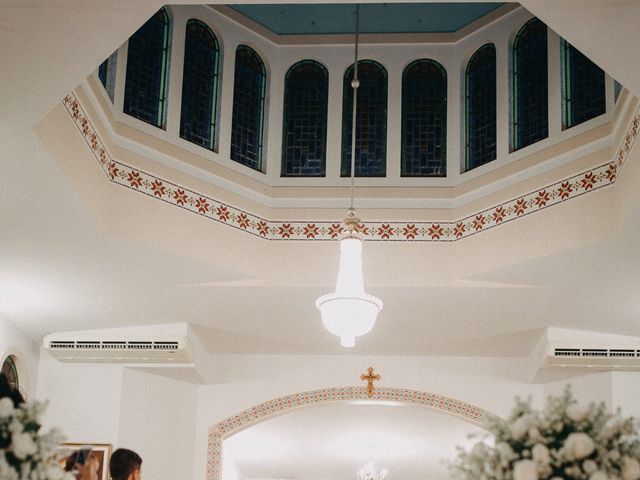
(135, 179)
(258, 413)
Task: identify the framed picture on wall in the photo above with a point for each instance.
(101, 451)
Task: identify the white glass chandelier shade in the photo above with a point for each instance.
(349, 312)
(369, 472)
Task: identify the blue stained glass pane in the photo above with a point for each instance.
(424, 120)
(530, 85)
(200, 85)
(107, 74)
(617, 89)
(480, 103)
(147, 59)
(304, 131)
(248, 108)
(371, 121)
(102, 73)
(583, 87)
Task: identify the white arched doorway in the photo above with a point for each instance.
(382, 395)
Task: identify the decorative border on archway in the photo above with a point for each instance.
(161, 189)
(235, 423)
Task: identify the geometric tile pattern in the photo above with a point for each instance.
(411, 231)
(257, 413)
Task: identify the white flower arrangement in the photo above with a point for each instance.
(25, 452)
(566, 440)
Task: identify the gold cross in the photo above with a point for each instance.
(370, 378)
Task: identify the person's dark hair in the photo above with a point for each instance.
(70, 461)
(7, 390)
(123, 463)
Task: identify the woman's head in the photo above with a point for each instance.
(8, 391)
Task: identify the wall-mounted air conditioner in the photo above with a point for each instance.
(565, 354)
(84, 349)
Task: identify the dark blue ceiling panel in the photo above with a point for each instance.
(307, 19)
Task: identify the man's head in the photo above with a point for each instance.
(125, 465)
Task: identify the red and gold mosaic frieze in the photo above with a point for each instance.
(235, 423)
(419, 231)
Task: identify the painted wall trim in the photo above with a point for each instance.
(278, 406)
(553, 194)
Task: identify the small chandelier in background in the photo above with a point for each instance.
(369, 472)
(349, 312)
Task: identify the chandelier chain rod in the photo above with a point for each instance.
(355, 85)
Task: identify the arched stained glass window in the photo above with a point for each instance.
(304, 130)
(424, 120)
(583, 87)
(371, 121)
(480, 107)
(247, 124)
(200, 85)
(10, 369)
(147, 67)
(530, 111)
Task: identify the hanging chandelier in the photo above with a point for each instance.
(349, 312)
(369, 472)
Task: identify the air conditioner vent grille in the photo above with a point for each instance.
(164, 346)
(597, 352)
(161, 349)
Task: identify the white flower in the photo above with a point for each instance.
(540, 454)
(589, 466)
(614, 455)
(520, 427)
(15, 426)
(525, 470)
(577, 412)
(534, 434)
(505, 450)
(7, 472)
(478, 450)
(23, 445)
(598, 475)
(578, 446)
(6, 407)
(630, 469)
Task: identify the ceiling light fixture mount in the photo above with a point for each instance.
(349, 312)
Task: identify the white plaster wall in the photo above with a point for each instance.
(157, 420)
(595, 387)
(626, 392)
(166, 420)
(243, 381)
(84, 399)
(102, 403)
(25, 350)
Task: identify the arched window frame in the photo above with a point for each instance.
(420, 147)
(490, 143)
(239, 149)
(579, 106)
(157, 115)
(10, 369)
(210, 80)
(315, 126)
(347, 110)
(530, 103)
